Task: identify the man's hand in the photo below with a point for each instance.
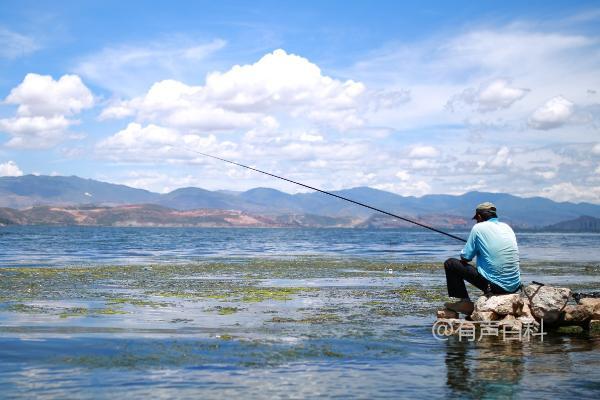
(464, 262)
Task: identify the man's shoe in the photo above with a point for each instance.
(463, 306)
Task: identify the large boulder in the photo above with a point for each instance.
(578, 314)
(592, 306)
(547, 302)
(526, 311)
(506, 304)
(484, 316)
(510, 323)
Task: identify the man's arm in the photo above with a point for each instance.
(470, 250)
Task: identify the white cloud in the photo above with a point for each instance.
(131, 68)
(247, 96)
(490, 96)
(35, 132)
(554, 113)
(501, 159)
(43, 107)
(307, 137)
(40, 95)
(14, 45)
(547, 174)
(10, 168)
(403, 175)
(421, 164)
(424, 152)
(408, 188)
(596, 149)
(567, 191)
(157, 144)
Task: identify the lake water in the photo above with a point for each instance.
(50, 246)
(268, 313)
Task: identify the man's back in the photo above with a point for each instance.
(495, 246)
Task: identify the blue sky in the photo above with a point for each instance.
(433, 97)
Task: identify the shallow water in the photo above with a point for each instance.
(287, 325)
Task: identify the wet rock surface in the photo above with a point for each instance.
(537, 304)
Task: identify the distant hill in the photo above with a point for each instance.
(535, 212)
(584, 223)
(135, 215)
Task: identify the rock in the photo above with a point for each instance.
(526, 311)
(510, 323)
(484, 316)
(529, 321)
(447, 314)
(547, 302)
(578, 314)
(500, 304)
(590, 301)
(592, 305)
(594, 326)
(571, 329)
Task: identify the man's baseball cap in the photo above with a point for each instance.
(487, 206)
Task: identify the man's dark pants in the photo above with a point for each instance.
(456, 275)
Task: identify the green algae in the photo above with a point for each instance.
(138, 302)
(227, 310)
(109, 311)
(28, 309)
(258, 294)
(74, 312)
(570, 330)
(313, 319)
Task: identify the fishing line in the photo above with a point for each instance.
(329, 194)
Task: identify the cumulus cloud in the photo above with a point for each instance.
(490, 96)
(279, 84)
(40, 95)
(137, 143)
(14, 45)
(10, 168)
(44, 105)
(553, 114)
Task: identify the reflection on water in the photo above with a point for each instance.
(559, 367)
(492, 369)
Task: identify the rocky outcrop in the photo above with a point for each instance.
(547, 302)
(509, 304)
(527, 310)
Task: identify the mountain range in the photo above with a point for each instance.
(32, 192)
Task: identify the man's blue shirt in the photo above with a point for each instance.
(495, 246)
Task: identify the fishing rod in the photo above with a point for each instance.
(330, 194)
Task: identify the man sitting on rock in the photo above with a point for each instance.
(495, 246)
